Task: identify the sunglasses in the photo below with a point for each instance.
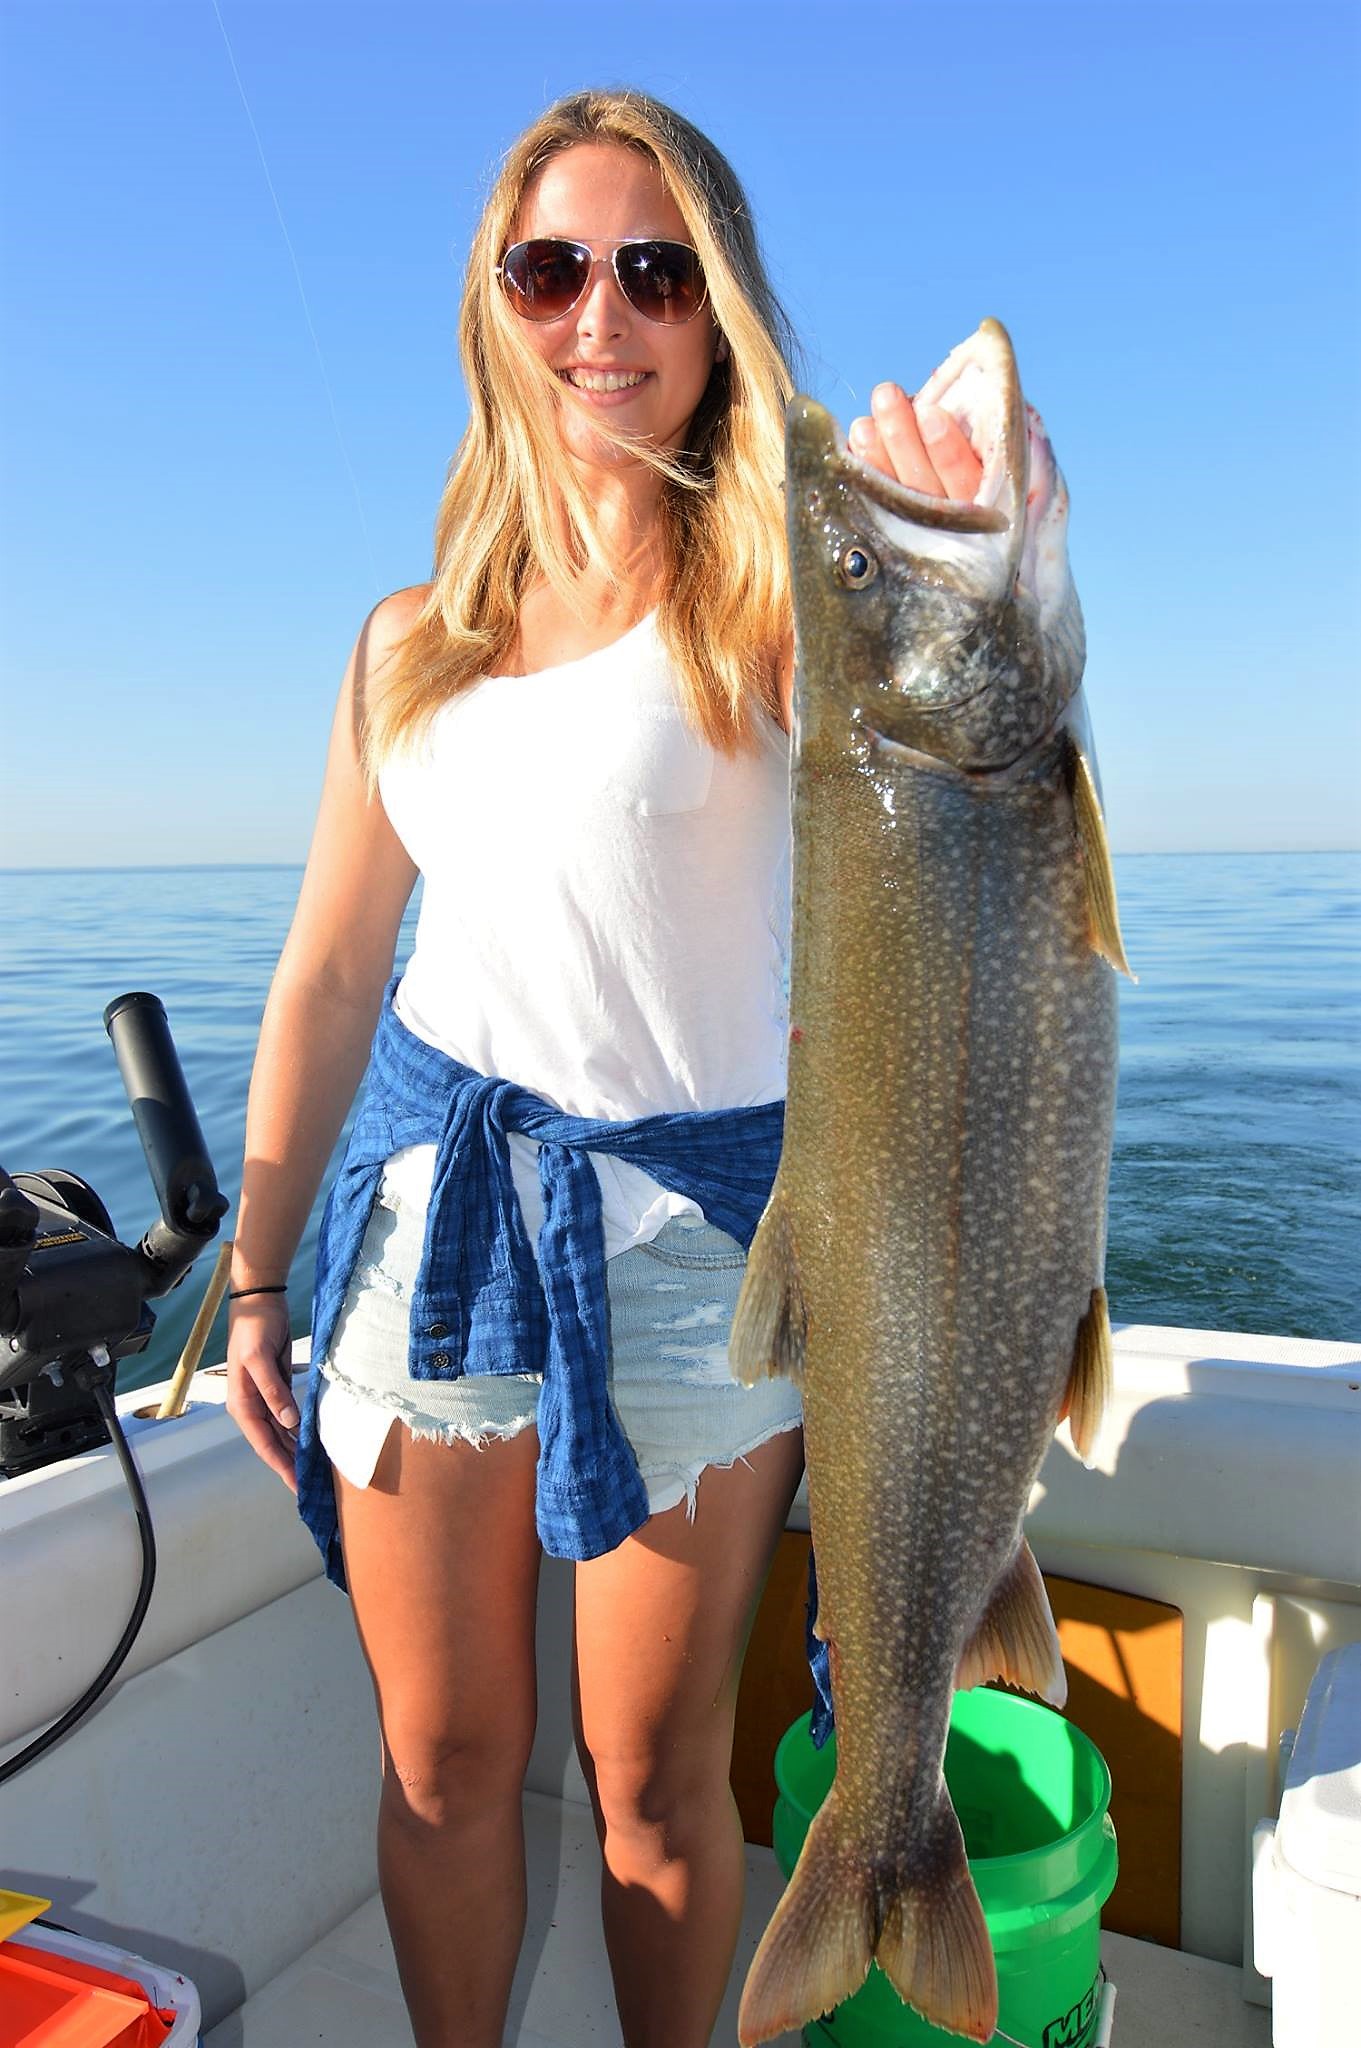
(664, 281)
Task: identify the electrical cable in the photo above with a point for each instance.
(104, 1399)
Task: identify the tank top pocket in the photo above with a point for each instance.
(660, 768)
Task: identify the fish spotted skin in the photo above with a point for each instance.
(930, 1261)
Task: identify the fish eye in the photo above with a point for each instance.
(856, 566)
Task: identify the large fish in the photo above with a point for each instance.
(930, 1263)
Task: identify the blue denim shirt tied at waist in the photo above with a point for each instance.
(479, 1304)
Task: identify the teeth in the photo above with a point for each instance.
(604, 380)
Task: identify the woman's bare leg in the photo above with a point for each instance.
(442, 1561)
(661, 1627)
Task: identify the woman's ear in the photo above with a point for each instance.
(722, 352)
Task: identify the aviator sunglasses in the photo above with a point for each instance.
(664, 281)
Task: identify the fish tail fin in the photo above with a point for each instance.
(1091, 1378)
(816, 1950)
(1016, 1638)
(1103, 919)
(770, 1325)
(934, 1947)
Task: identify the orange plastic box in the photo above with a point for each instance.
(59, 1990)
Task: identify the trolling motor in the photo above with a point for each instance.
(73, 1300)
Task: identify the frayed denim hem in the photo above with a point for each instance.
(429, 1428)
(683, 1482)
(428, 1431)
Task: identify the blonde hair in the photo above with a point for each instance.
(514, 506)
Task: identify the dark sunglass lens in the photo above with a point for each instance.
(545, 279)
(662, 280)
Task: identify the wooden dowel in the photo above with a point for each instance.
(173, 1403)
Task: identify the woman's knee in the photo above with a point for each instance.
(670, 1784)
(449, 1773)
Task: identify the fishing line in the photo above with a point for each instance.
(302, 294)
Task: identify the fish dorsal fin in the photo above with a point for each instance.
(1103, 919)
(1016, 1639)
(1091, 1378)
(770, 1323)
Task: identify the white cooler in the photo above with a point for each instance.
(1306, 1869)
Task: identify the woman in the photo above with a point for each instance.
(578, 734)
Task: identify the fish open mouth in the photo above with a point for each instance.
(920, 508)
(978, 386)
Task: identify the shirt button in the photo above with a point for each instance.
(441, 1358)
(438, 1330)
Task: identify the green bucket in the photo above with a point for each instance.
(1032, 1795)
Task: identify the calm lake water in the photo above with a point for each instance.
(1236, 1187)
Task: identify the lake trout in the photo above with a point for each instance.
(930, 1262)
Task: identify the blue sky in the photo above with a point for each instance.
(1160, 201)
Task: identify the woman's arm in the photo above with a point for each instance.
(314, 1039)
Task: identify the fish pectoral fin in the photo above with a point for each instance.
(770, 1325)
(1016, 1640)
(934, 1946)
(1103, 918)
(1091, 1378)
(816, 1950)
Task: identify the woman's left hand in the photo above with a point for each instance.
(919, 445)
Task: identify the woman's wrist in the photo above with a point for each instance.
(248, 1277)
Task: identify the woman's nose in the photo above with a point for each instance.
(603, 311)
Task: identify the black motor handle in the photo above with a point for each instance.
(167, 1123)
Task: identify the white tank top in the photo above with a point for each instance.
(605, 908)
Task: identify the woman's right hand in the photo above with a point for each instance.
(259, 1381)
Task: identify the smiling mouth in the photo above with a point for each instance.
(604, 380)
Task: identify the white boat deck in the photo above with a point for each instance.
(1225, 1490)
(343, 1992)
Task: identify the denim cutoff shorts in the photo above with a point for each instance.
(671, 1305)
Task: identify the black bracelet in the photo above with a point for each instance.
(239, 1293)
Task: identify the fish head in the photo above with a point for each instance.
(948, 629)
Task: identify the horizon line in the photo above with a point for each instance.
(204, 867)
